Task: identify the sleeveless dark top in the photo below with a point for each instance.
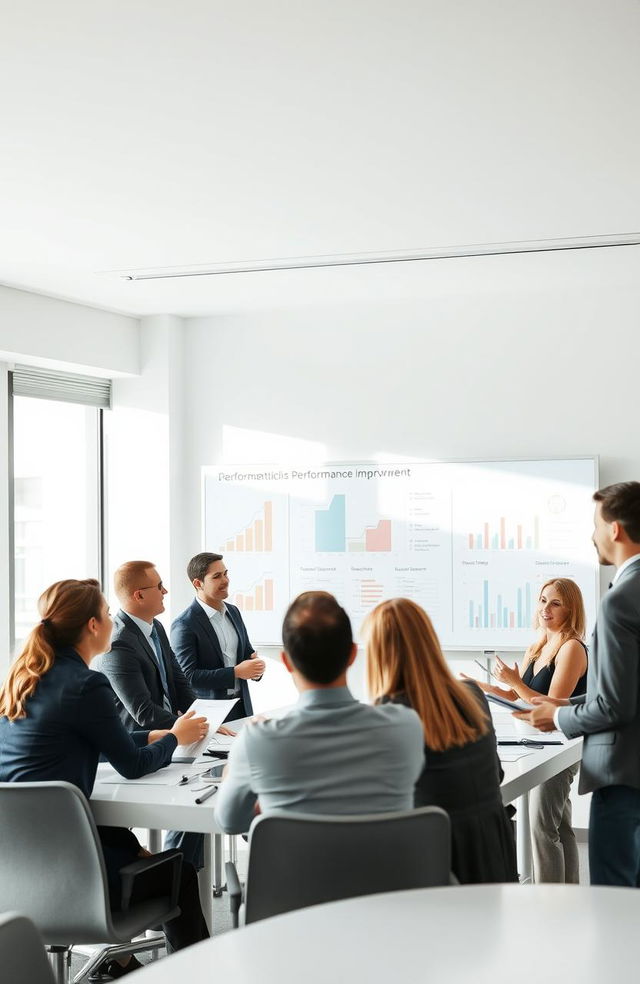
(541, 681)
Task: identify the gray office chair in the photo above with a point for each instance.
(296, 859)
(52, 870)
(22, 955)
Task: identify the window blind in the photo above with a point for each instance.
(48, 384)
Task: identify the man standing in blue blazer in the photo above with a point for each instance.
(210, 639)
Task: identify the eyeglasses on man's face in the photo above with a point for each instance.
(148, 587)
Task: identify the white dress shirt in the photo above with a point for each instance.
(227, 637)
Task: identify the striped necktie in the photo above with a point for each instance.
(155, 639)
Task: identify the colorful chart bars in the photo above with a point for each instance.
(371, 592)
(330, 527)
(260, 599)
(376, 539)
(257, 536)
(503, 539)
(500, 616)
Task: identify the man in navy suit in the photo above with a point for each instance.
(210, 639)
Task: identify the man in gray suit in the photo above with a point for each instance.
(330, 754)
(608, 715)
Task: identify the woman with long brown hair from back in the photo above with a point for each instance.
(462, 771)
(57, 716)
(556, 664)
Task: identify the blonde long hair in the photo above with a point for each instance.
(575, 624)
(404, 657)
(65, 607)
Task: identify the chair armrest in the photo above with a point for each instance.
(151, 878)
(234, 888)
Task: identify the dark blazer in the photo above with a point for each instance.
(133, 673)
(71, 720)
(465, 781)
(197, 649)
(608, 715)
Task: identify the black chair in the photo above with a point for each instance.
(23, 959)
(297, 860)
(52, 869)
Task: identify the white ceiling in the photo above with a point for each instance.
(139, 134)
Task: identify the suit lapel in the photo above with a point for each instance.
(232, 617)
(146, 645)
(204, 621)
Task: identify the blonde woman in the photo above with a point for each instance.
(462, 772)
(556, 664)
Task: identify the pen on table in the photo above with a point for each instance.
(207, 793)
(183, 780)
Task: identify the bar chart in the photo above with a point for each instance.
(330, 532)
(257, 536)
(331, 526)
(499, 610)
(376, 539)
(258, 598)
(506, 536)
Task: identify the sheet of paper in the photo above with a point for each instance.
(219, 743)
(215, 712)
(170, 775)
(513, 754)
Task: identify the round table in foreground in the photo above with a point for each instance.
(538, 934)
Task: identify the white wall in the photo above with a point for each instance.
(43, 331)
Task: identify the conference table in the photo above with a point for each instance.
(155, 807)
(488, 934)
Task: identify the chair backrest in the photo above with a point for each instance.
(296, 860)
(22, 955)
(51, 863)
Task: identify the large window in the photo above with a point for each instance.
(57, 501)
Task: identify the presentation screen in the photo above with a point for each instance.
(470, 542)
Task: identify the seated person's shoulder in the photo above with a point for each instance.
(396, 713)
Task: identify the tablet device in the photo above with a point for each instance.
(512, 705)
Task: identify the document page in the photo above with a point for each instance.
(215, 712)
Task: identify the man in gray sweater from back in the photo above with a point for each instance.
(330, 754)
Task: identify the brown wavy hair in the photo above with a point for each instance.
(65, 607)
(575, 624)
(404, 658)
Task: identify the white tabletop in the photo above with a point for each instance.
(163, 807)
(174, 807)
(485, 934)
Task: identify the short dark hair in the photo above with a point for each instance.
(317, 636)
(620, 503)
(200, 564)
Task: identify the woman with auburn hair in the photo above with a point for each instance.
(462, 772)
(57, 716)
(556, 664)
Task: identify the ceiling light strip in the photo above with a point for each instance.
(364, 259)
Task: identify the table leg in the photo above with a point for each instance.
(218, 857)
(205, 881)
(154, 843)
(523, 833)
